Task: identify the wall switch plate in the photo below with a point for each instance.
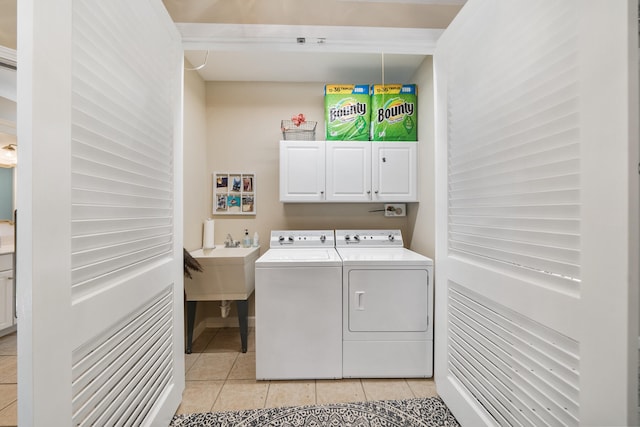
(395, 209)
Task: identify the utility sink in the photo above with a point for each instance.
(228, 274)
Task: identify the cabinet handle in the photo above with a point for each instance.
(376, 191)
(369, 192)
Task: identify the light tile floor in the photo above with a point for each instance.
(221, 378)
(9, 380)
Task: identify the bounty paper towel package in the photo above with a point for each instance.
(347, 112)
(394, 112)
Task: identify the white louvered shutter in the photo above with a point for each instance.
(100, 298)
(533, 273)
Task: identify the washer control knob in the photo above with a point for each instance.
(347, 237)
(392, 237)
(291, 238)
(281, 239)
(356, 238)
(323, 238)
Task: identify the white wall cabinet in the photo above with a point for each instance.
(302, 171)
(394, 174)
(348, 171)
(7, 319)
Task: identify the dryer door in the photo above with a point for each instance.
(388, 300)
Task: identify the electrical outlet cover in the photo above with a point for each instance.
(395, 209)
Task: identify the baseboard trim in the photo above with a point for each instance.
(9, 330)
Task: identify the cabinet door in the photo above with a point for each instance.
(6, 299)
(302, 171)
(394, 174)
(348, 171)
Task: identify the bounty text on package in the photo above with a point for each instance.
(347, 112)
(394, 112)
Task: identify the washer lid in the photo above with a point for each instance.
(371, 257)
(302, 257)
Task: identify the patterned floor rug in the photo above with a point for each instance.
(427, 412)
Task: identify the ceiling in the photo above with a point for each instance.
(339, 41)
(354, 41)
(296, 53)
(364, 68)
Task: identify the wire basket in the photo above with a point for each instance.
(306, 131)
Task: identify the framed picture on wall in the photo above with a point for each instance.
(234, 193)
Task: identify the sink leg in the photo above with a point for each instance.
(191, 318)
(243, 320)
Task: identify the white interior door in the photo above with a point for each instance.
(537, 213)
(100, 294)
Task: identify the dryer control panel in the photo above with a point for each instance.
(302, 238)
(369, 238)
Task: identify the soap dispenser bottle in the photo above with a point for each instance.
(246, 241)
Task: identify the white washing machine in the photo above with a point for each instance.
(298, 298)
(387, 306)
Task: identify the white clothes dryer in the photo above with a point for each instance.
(387, 306)
(298, 300)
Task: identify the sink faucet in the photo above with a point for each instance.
(230, 243)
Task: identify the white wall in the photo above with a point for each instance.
(242, 135)
(422, 217)
(196, 204)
